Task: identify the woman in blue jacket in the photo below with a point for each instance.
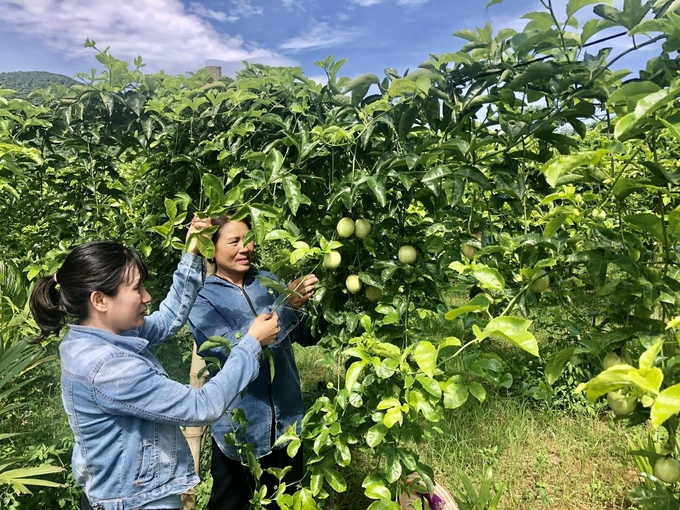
(124, 411)
(226, 306)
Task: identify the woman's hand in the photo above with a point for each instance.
(303, 286)
(265, 328)
(197, 225)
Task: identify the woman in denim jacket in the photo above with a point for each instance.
(226, 306)
(124, 411)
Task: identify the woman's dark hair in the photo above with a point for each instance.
(222, 221)
(96, 266)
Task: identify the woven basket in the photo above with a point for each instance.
(406, 501)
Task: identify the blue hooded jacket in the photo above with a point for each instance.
(227, 310)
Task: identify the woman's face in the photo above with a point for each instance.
(231, 256)
(127, 309)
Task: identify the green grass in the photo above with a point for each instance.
(547, 458)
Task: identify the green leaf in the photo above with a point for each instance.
(555, 364)
(633, 13)
(644, 108)
(674, 224)
(477, 304)
(214, 342)
(575, 5)
(20, 477)
(425, 355)
(513, 329)
(436, 173)
(162, 230)
(357, 352)
(474, 175)
(304, 500)
(622, 376)
(597, 270)
(392, 466)
(540, 20)
(353, 373)
(392, 417)
(648, 358)
(170, 209)
(477, 391)
(342, 455)
(488, 277)
(259, 213)
(625, 186)
(205, 246)
(278, 235)
(387, 350)
(370, 279)
(334, 479)
(292, 189)
(378, 188)
(388, 403)
(421, 404)
(560, 165)
(666, 404)
(273, 164)
(455, 393)
(554, 224)
(377, 491)
(430, 385)
(633, 91)
(592, 27)
(334, 317)
(359, 87)
(376, 434)
(406, 120)
(293, 447)
(673, 129)
(468, 34)
(647, 222)
(213, 189)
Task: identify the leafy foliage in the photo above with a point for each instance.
(557, 170)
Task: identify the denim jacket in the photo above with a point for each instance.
(227, 310)
(126, 413)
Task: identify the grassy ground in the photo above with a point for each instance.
(548, 459)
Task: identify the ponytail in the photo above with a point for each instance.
(44, 305)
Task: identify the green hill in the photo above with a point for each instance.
(24, 82)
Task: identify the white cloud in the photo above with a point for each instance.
(319, 35)
(201, 11)
(163, 32)
(244, 9)
(289, 4)
(366, 3)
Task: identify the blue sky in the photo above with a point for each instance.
(179, 36)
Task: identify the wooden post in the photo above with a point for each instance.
(194, 435)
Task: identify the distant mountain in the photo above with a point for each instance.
(25, 82)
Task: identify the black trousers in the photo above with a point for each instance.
(234, 484)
